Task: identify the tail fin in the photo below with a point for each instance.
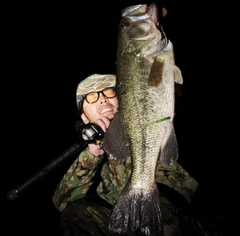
(137, 210)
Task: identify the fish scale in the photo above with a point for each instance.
(146, 74)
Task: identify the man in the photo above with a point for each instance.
(93, 183)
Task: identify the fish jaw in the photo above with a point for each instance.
(139, 23)
(151, 11)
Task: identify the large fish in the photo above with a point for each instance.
(146, 75)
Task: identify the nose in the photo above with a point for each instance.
(102, 98)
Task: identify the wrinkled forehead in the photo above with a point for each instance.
(94, 83)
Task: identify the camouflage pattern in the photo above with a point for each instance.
(178, 179)
(94, 83)
(92, 215)
(78, 179)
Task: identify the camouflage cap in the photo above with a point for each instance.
(94, 83)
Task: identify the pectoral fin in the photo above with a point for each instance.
(156, 73)
(178, 81)
(178, 75)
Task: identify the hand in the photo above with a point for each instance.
(95, 149)
(104, 123)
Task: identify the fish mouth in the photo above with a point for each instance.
(152, 12)
(142, 11)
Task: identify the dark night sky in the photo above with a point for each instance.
(49, 48)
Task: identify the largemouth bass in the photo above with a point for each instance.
(146, 75)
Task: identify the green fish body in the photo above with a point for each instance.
(146, 76)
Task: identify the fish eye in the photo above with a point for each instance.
(124, 24)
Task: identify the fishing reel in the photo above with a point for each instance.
(92, 133)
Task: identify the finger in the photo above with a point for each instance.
(106, 121)
(96, 150)
(102, 124)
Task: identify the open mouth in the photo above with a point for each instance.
(152, 11)
(104, 110)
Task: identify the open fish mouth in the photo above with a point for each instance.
(143, 12)
(153, 13)
(148, 15)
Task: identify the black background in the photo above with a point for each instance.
(49, 47)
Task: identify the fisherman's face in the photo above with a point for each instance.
(102, 107)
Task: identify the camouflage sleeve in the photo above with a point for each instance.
(178, 179)
(78, 179)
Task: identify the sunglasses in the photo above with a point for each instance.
(94, 96)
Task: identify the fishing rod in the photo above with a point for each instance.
(91, 133)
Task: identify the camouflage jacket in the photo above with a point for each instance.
(79, 178)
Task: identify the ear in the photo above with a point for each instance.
(164, 11)
(84, 119)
